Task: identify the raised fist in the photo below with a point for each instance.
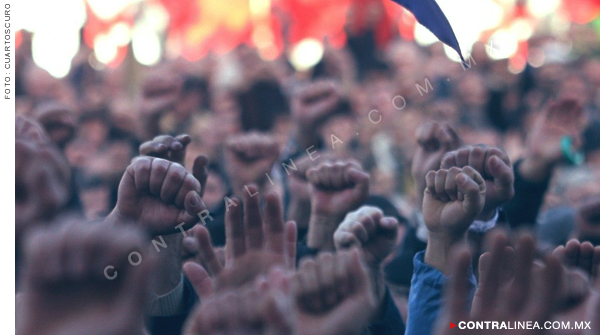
(249, 157)
(493, 164)
(78, 279)
(314, 102)
(159, 195)
(58, 120)
(453, 199)
(167, 147)
(434, 140)
(333, 295)
(367, 229)
(337, 188)
(250, 310)
(580, 255)
(160, 91)
(174, 149)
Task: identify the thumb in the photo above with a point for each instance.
(361, 180)
(501, 172)
(473, 202)
(193, 206)
(199, 278)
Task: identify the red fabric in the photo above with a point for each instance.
(582, 11)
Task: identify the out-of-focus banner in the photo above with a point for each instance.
(152, 30)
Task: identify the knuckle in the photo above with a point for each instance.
(454, 170)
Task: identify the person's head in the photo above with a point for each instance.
(472, 90)
(94, 128)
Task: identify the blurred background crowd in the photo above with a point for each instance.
(121, 73)
(102, 109)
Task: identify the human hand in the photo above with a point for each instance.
(333, 295)
(78, 280)
(375, 236)
(311, 105)
(159, 195)
(530, 296)
(174, 149)
(298, 182)
(252, 247)
(496, 269)
(299, 208)
(299, 196)
(434, 140)
(367, 229)
(160, 91)
(58, 120)
(247, 311)
(562, 118)
(314, 102)
(493, 164)
(167, 147)
(453, 199)
(336, 188)
(580, 255)
(249, 157)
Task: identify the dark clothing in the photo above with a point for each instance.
(173, 325)
(524, 207)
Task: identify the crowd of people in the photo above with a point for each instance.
(383, 191)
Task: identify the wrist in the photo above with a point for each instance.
(321, 228)
(378, 287)
(439, 246)
(115, 217)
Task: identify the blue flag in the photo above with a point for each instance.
(430, 15)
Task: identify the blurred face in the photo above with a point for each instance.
(472, 90)
(94, 131)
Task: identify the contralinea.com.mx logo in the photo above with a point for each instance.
(522, 325)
